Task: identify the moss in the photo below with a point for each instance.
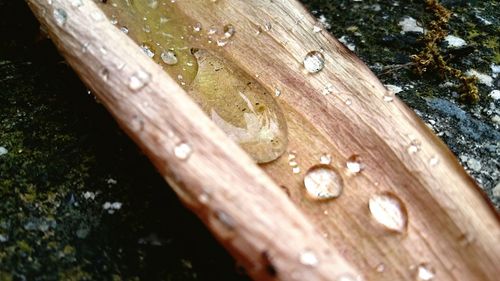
(431, 59)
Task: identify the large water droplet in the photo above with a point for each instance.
(323, 182)
(240, 106)
(314, 62)
(389, 211)
(425, 272)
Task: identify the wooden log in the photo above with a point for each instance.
(451, 231)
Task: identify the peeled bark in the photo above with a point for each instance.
(440, 221)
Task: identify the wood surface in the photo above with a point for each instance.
(451, 226)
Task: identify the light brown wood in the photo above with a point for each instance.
(451, 227)
(247, 212)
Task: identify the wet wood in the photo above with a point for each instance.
(343, 111)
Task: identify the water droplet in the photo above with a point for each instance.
(139, 80)
(325, 159)
(147, 50)
(229, 30)
(328, 89)
(314, 62)
(317, 28)
(169, 57)
(268, 26)
(323, 182)
(389, 97)
(414, 147)
(380, 268)
(296, 170)
(197, 27)
(76, 3)
(389, 211)
(124, 29)
(434, 161)
(105, 74)
(240, 106)
(204, 198)
(277, 92)
(425, 272)
(212, 30)
(60, 16)
(308, 258)
(222, 42)
(182, 151)
(353, 164)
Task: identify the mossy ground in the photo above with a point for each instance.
(63, 148)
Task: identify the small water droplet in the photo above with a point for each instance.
(348, 102)
(222, 42)
(105, 74)
(425, 272)
(323, 182)
(147, 50)
(353, 164)
(325, 159)
(229, 30)
(388, 210)
(212, 30)
(328, 89)
(389, 97)
(308, 258)
(169, 57)
(434, 161)
(197, 27)
(314, 62)
(380, 268)
(76, 3)
(268, 26)
(317, 28)
(113, 20)
(182, 151)
(277, 92)
(60, 16)
(204, 198)
(139, 80)
(296, 170)
(124, 29)
(414, 147)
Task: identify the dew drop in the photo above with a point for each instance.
(414, 147)
(388, 97)
(323, 182)
(229, 30)
(296, 170)
(425, 272)
(353, 164)
(222, 42)
(434, 161)
(308, 258)
(240, 106)
(147, 50)
(197, 27)
(314, 62)
(60, 16)
(325, 159)
(124, 29)
(139, 80)
(268, 26)
(317, 28)
(277, 92)
(389, 211)
(169, 57)
(182, 151)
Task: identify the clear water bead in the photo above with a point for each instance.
(169, 57)
(353, 164)
(314, 62)
(389, 211)
(425, 272)
(182, 151)
(60, 16)
(308, 258)
(229, 30)
(323, 182)
(139, 80)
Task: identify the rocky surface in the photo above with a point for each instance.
(80, 202)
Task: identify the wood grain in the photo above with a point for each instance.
(451, 226)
